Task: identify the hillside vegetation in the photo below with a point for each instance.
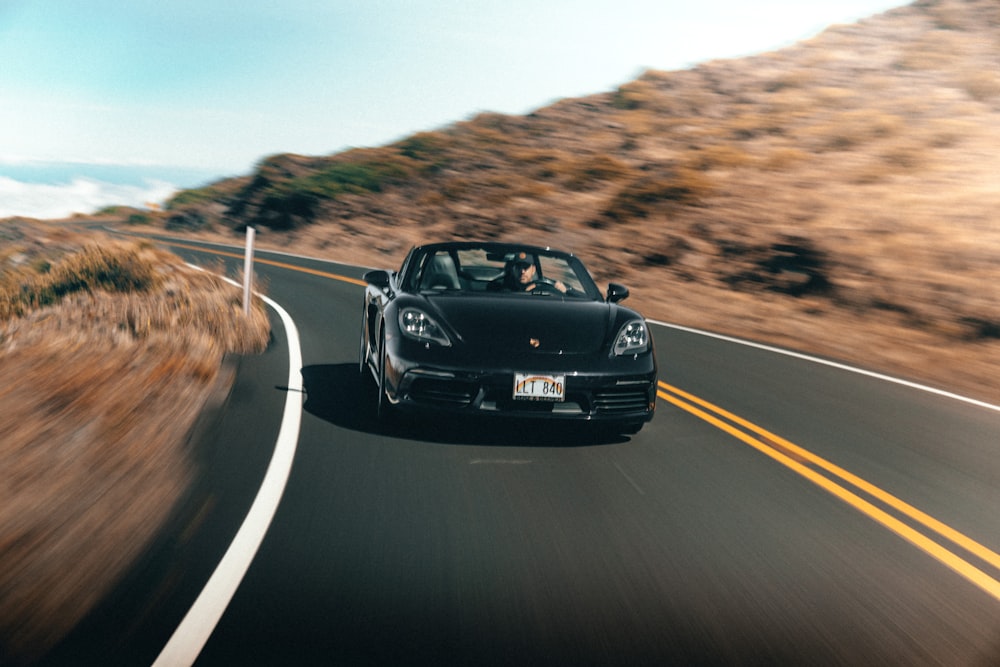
(838, 196)
(108, 353)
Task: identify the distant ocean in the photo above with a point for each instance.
(58, 190)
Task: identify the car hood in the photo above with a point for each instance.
(544, 325)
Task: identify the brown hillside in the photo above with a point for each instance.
(108, 354)
(838, 196)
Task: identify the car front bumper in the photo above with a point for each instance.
(623, 392)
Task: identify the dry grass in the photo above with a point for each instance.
(107, 355)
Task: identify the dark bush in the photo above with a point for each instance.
(793, 266)
(95, 267)
(644, 195)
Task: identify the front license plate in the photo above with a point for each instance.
(539, 387)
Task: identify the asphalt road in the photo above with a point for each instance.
(776, 511)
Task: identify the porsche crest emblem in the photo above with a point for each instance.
(534, 343)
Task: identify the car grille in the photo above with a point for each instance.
(443, 392)
(615, 401)
(459, 394)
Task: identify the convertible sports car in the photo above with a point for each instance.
(503, 329)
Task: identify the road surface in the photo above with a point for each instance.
(776, 511)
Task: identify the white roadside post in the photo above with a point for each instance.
(248, 270)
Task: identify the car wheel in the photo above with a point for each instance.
(383, 408)
(363, 352)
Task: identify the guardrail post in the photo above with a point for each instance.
(248, 270)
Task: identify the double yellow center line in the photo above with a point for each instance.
(818, 470)
(270, 262)
(840, 482)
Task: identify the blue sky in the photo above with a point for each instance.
(151, 94)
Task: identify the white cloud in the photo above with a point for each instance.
(80, 195)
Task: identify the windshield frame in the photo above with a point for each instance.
(478, 266)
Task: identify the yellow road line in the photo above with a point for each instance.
(271, 262)
(793, 457)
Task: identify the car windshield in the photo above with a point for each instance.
(495, 269)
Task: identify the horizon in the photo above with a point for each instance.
(126, 104)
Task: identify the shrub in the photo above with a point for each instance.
(947, 132)
(423, 146)
(286, 199)
(721, 156)
(851, 129)
(794, 266)
(115, 210)
(751, 125)
(798, 78)
(139, 219)
(351, 177)
(981, 86)
(457, 188)
(591, 170)
(431, 149)
(632, 95)
(191, 197)
(96, 267)
(639, 198)
(280, 208)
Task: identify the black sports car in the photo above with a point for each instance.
(503, 329)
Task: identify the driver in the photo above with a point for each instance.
(520, 275)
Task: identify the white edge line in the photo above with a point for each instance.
(193, 632)
(834, 364)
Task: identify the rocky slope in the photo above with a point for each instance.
(838, 196)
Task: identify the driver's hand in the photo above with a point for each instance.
(558, 284)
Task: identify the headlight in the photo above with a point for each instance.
(633, 338)
(418, 325)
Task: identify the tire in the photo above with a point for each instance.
(363, 352)
(383, 408)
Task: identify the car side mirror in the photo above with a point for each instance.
(378, 278)
(617, 293)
